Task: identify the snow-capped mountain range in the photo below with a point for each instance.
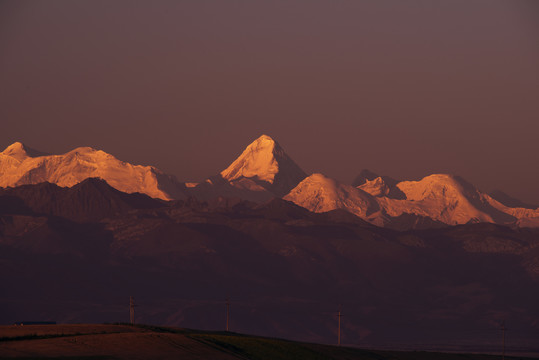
(20, 165)
(264, 171)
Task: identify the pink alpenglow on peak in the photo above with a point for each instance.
(445, 198)
(264, 171)
(19, 151)
(20, 165)
(264, 165)
(320, 193)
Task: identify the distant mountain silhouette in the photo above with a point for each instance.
(91, 200)
(364, 176)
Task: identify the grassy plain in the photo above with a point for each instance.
(86, 341)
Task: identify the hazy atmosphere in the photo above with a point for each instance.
(401, 88)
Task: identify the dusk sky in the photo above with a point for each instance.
(403, 88)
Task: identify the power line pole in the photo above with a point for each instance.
(131, 310)
(227, 312)
(339, 329)
(503, 339)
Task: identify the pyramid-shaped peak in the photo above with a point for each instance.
(20, 151)
(263, 143)
(267, 164)
(264, 137)
(266, 145)
(257, 161)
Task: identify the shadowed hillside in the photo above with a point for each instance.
(285, 269)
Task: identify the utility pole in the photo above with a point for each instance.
(339, 329)
(131, 310)
(227, 312)
(503, 339)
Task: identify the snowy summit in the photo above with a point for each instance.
(20, 165)
(264, 164)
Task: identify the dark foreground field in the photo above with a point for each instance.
(150, 342)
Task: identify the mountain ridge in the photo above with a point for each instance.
(19, 167)
(264, 171)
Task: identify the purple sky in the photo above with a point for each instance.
(404, 88)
